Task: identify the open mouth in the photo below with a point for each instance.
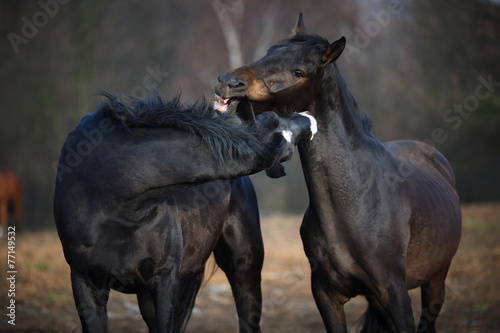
(224, 105)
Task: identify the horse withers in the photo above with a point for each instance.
(120, 201)
(382, 218)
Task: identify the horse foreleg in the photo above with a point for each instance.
(90, 303)
(241, 258)
(330, 304)
(432, 301)
(147, 306)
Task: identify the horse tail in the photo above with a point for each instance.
(372, 321)
(189, 289)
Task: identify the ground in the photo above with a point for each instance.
(44, 302)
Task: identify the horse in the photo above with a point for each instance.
(10, 193)
(141, 201)
(383, 218)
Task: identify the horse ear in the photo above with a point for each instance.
(334, 51)
(245, 110)
(299, 28)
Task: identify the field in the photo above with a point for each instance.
(44, 301)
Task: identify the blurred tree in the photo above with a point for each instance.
(457, 46)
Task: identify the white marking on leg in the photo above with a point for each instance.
(314, 123)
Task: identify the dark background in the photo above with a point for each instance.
(413, 67)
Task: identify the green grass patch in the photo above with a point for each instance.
(39, 266)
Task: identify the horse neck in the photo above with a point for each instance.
(340, 158)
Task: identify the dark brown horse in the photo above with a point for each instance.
(10, 194)
(130, 217)
(382, 218)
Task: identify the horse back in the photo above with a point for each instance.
(423, 156)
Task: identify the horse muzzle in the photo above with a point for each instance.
(229, 90)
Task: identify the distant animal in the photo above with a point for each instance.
(130, 217)
(382, 218)
(10, 194)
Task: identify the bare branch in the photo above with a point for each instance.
(267, 31)
(228, 13)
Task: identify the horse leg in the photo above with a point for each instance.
(394, 297)
(432, 301)
(3, 217)
(167, 289)
(90, 304)
(242, 264)
(376, 317)
(240, 254)
(166, 300)
(16, 203)
(330, 304)
(147, 306)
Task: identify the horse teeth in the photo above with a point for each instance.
(219, 107)
(221, 100)
(220, 104)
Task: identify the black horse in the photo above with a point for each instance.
(129, 218)
(382, 218)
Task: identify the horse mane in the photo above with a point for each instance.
(225, 135)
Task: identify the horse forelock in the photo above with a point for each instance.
(225, 135)
(309, 45)
(312, 41)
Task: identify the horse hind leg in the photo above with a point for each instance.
(240, 255)
(376, 318)
(160, 307)
(188, 291)
(147, 307)
(90, 303)
(432, 294)
(330, 304)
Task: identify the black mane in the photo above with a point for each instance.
(225, 135)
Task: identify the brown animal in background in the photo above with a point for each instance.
(10, 191)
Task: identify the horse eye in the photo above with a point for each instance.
(298, 73)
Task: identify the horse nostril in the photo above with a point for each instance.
(237, 84)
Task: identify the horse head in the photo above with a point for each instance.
(278, 132)
(285, 80)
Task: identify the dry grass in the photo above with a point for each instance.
(43, 274)
(45, 304)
